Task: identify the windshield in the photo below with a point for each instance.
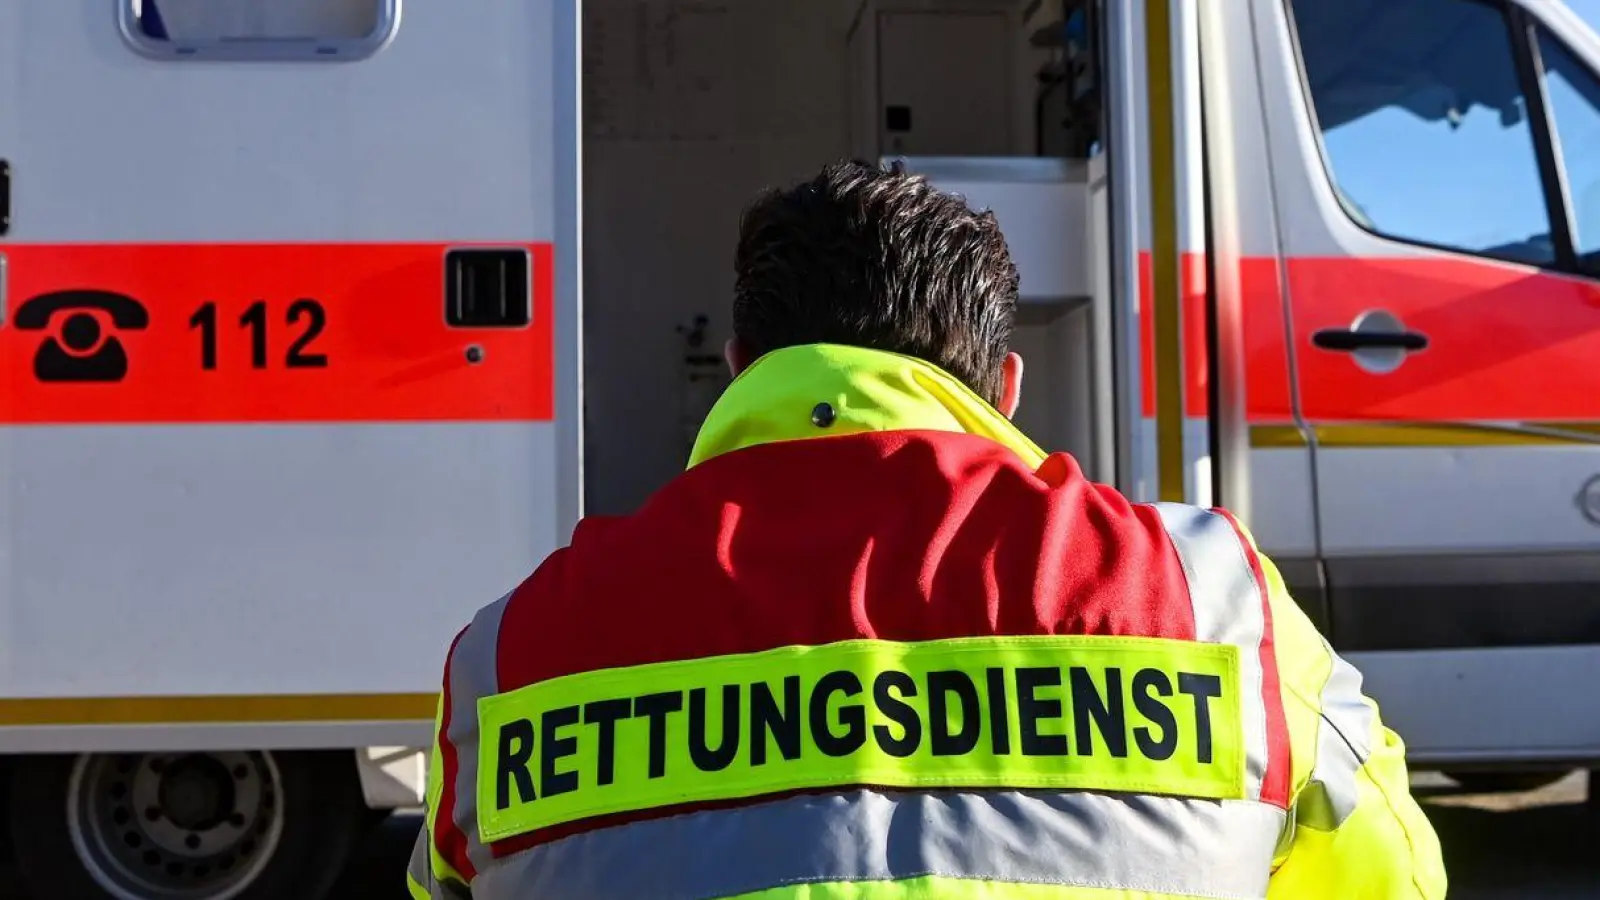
(1426, 127)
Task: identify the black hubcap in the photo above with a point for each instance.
(196, 792)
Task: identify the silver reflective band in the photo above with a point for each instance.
(1123, 841)
(420, 872)
(1227, 610)
(420, 868)
(473, 674)
(1344, 741)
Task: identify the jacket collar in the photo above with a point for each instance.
(776, 399)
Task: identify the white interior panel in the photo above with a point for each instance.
(690, 110)
(1057, 387)
(1043, 206)
(953, 108)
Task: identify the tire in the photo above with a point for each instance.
(1508, 782)
(175, 826)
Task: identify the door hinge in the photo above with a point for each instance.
(5, 197)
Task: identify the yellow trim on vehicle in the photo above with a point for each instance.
(1276, 437)
(217, 709)
(1164, 251)
(1428, 434)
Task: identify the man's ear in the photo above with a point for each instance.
(737, 355)
(1010, 385)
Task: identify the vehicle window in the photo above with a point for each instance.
(1424, 123)
(1574, 100)
(260, 28)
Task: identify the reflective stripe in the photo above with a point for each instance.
(420, 880)
(942, 888)
(436, 863)
(449, 849)
(419, 872)
(473, 675)
(1057, 712)
(1227, 610)
(1131, 842)
(1344, 741)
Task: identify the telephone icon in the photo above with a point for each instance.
(82, 345)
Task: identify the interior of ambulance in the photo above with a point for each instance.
(690, 107)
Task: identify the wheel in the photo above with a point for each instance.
(238, 825)
(1508, 782)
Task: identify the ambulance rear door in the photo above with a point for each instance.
(1206, 405)
(288, 343)
(1436, 166)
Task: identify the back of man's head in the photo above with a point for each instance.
(880, 259)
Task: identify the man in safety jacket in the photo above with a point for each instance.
(875, 643)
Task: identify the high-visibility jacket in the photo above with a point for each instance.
(875, 644)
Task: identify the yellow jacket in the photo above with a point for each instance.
(1352, 830)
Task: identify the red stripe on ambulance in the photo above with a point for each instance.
(211, 333)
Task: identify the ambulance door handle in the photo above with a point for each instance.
(1377, 341)
(1349, 340)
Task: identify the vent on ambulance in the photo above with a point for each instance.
(487, 288)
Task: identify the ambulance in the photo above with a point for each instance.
(322, 321)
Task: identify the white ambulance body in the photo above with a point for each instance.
(322, 322)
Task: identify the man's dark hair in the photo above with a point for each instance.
(877, 258)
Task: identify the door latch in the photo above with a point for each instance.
(5, 197)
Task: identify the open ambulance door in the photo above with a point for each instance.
(1436, 171)
(1209, 415)
(288, 390)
